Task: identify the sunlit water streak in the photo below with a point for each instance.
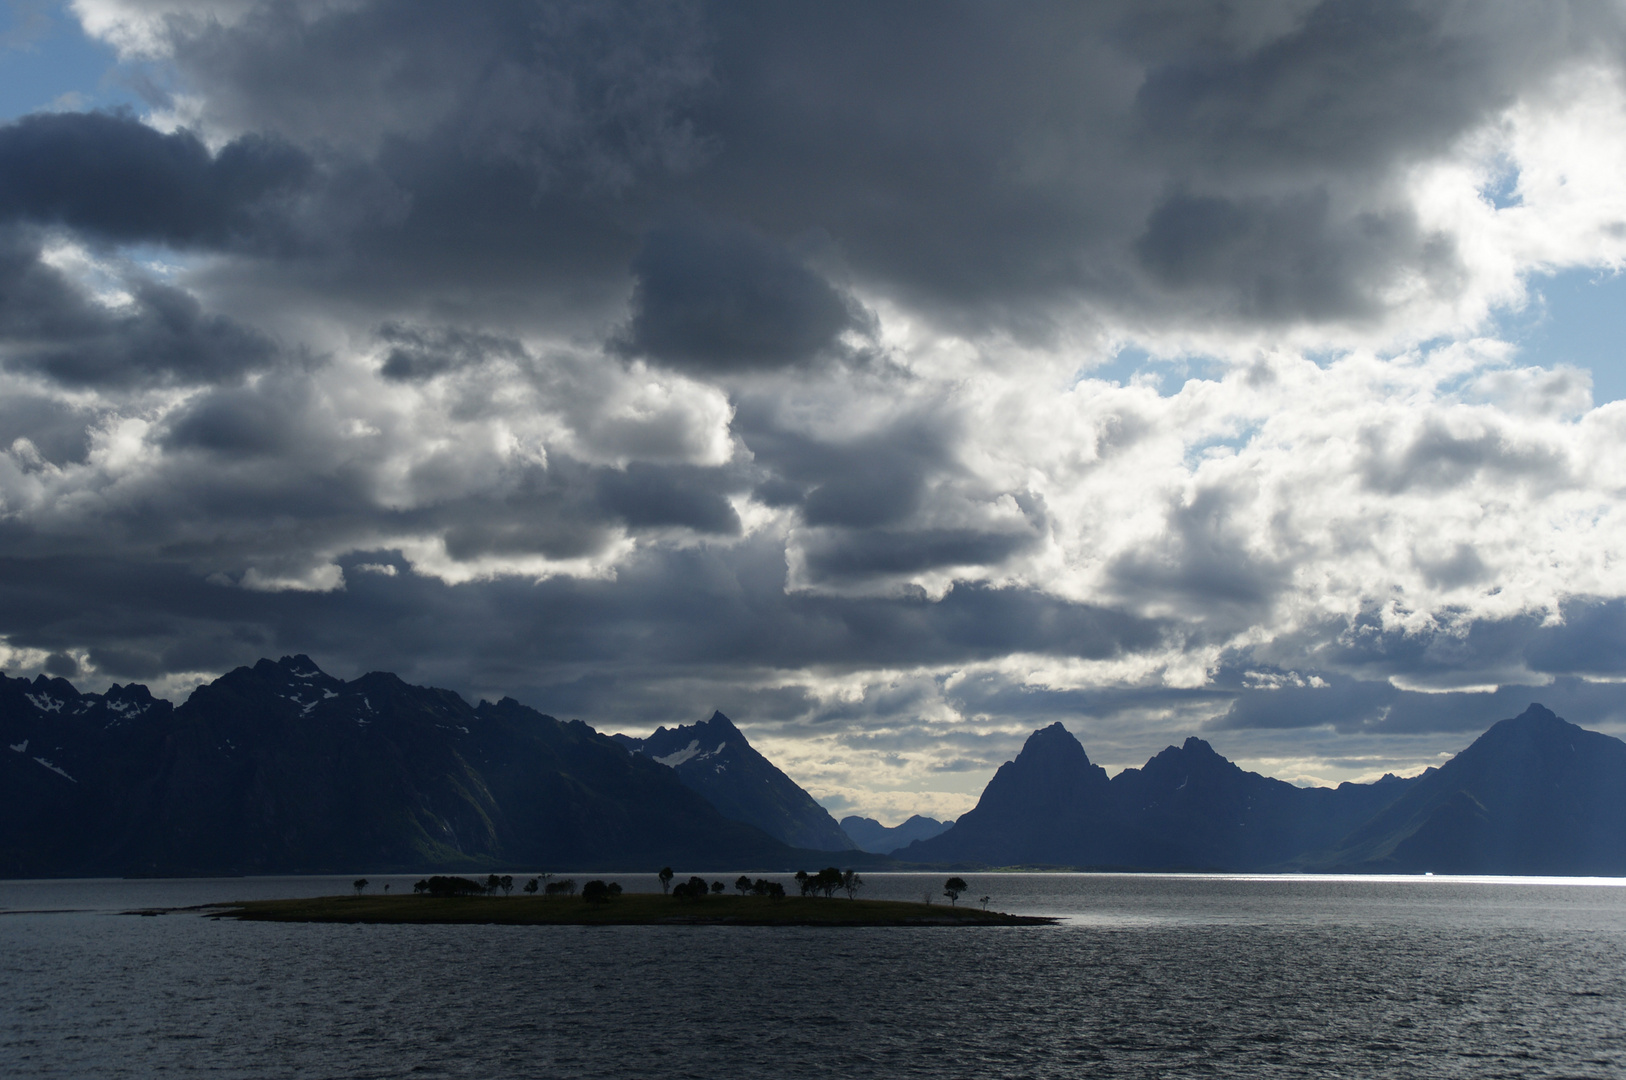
(1148, 976)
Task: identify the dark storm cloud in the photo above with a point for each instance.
(720, 298)
(139, 620)
(48, 325)
(113, 177)
(58, 431)
(651, 496)
(1284, 260)
(833, 559)
(418, 353)
(1342, 84)
(875, 480)
(1377, 708)
(241, 423)
(988, 164)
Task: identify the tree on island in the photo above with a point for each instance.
(493, 883)
(827, 881)
(596, 892)
(953, 887)
(764, 887)
(448, 886)
(718, 888)
(804, 881)
(531, 886)
(506, 884)
(851, 883)
(360, 885)
(666, 879)
(693, 889)
(742, 884)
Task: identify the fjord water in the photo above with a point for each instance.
(1148, 975)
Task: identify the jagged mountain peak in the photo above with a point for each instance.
(1050, 741)
(714, 758)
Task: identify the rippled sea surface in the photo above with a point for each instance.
(1149, 976)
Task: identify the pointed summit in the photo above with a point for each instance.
(716, 760)
(719, 722)
(1048, 806)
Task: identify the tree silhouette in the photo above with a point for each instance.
(666, 879)
(596, 892)
(531, 886)
(493, 883)
(804, 881)
(742, 884)
(506, 883)
(450, 886)
(693, 889)
(851, 883)
(717, 888)
(360, 885)
(827, 881)
(953, 887)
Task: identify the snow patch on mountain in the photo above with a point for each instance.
(691, 752)
(54, 769)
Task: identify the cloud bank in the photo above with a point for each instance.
(895, 384)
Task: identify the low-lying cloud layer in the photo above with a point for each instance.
(896, 384)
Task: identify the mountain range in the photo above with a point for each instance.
(867, 834)
(1533, 795)
(281, 768)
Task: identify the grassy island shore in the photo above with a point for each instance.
(632, 909)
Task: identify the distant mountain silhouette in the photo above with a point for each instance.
(714, 759)
(870, 835)
(1534, 795)
(280, 768)
(1050, 805)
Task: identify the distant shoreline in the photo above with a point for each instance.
(633, 909)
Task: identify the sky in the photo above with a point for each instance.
(897, 381)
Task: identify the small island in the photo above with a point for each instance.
(608, 906)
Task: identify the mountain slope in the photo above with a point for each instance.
(714, 759)
(280, 768)
(1049, 806)
(870, 835)
(1533, 795)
